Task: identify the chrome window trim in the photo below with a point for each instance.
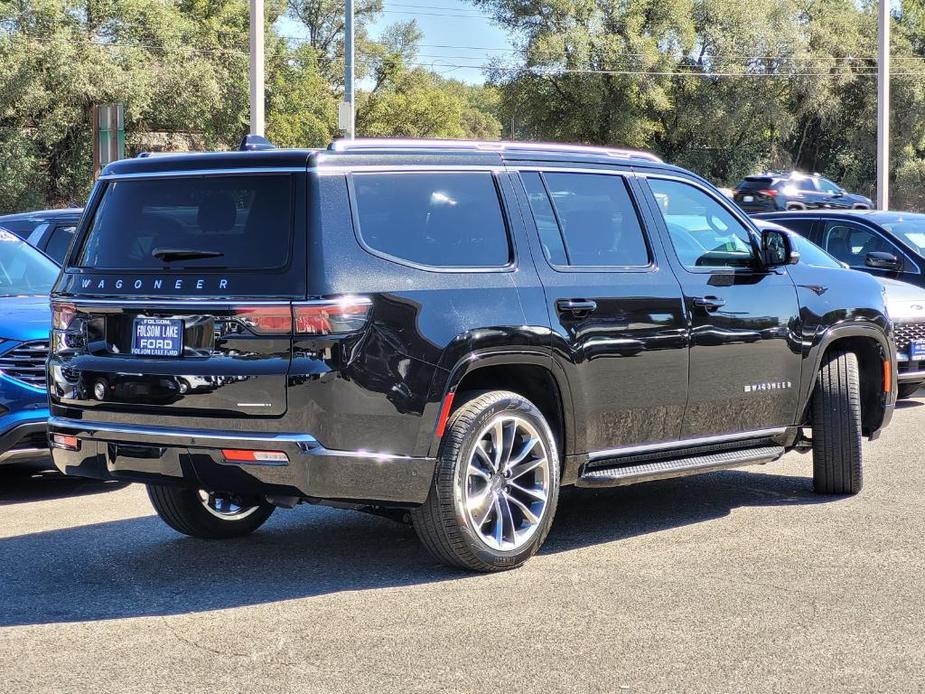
(685, 443)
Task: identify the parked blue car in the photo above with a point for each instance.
(26, 277)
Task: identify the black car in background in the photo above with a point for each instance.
(50, 231)
(885, 244)
(774, 192)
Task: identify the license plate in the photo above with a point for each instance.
(917, 349)
(158, 337)
(748, 198)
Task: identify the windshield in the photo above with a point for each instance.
(23, 270)
(911, 229)
(201, 222)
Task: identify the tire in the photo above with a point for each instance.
(794, 206)
(837, 458)
(185, 511)
(907, 390)
(448, 522)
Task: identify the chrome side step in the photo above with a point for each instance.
(679, 467)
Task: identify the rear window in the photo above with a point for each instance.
(755, 183)
(217, 222)
(447, 220)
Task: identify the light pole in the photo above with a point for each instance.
(256, 67)
(347, 115)
(883, 108)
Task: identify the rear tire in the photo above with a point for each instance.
(907, 390)
(489, 510)
(837, 458)
(187, 512)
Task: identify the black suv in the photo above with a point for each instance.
(774, 192)
(448, 331)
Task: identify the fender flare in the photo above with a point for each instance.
(441, 388)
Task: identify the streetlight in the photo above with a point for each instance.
(883, 108)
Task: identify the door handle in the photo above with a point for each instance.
(709, 303)
(576, 306)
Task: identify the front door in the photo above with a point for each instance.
(745, 356)
(860, 247)
(615, 308)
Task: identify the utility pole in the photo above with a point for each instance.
(256, 72)
(347, 115)
(883, 108)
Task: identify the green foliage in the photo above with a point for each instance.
(720, 86)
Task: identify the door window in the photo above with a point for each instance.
(58, 243)
(594, 222)
(704, 233)
(828, 187)
(851, 244)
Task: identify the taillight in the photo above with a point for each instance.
(770, 192)
(62, 314)
(331, 317)
(266, 320)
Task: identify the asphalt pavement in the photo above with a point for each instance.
(739, 581)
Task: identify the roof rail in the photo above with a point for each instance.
(487, 146)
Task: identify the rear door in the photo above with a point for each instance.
(177, 299)
(615, 308)
(745, 350)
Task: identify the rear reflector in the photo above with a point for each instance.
(445, 413)
(332, 317)
(235, 455)
(66, 441)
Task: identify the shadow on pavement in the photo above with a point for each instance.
(18, 485)
(138, 567)
(907, 404)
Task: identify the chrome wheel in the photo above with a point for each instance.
(224, 507)
(507, 483)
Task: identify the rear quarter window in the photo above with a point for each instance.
(217, 222)
(444, 220)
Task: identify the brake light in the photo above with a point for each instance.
(770, 192)
(266, 320)
(332, 317)
(62, 314)
(235, 455)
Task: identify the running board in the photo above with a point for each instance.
(678, 467)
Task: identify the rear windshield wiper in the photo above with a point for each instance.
(168, 255)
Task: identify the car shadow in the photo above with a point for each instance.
(138, 567)
(908, 404)
(20, 485)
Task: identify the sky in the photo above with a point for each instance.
(458, 39)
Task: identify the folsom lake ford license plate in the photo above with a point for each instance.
(917, 350)
(748, 198)
(158, 337)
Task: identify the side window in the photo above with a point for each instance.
(804, 227)
(704, 233)
(437, 219)
(545, 218)
(58, 243)
(598, 220)
(851, 244)
(828, 187)
(807, 183)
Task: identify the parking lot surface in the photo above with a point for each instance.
(735, 581)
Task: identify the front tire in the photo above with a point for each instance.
(204, 515)
(495, 487)
(837, 458)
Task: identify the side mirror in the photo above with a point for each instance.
(838, 194)
(777, 249)
(883, 261)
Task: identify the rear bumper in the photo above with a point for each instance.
(193, 458)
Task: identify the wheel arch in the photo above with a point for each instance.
(532, 374)
(872, 347)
